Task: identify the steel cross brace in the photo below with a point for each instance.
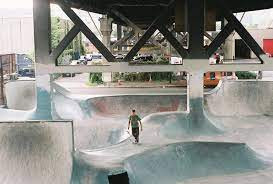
(123, 39)
(161, 19)
(234, 24)
(220, 38)
(245, 35)
(136, 29)
(174, 42)
(64, 43)
(86, 31)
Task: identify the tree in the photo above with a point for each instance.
(59, 28)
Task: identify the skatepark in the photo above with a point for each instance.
(234, 140)
(60, 127)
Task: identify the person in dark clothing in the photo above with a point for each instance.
(135, 121)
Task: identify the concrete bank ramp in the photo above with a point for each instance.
(176, 125)
(178, 162)
(36, 152)
(241, 98)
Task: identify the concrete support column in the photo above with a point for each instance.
(196, 28)
(106, 30)
(195, 92)
(42, 39)
(119, 35)
(229, 45)
(125, 32)
(42, 31)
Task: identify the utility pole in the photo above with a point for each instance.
(1, 82)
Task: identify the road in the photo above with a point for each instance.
(77, 85)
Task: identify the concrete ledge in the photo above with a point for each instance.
(36, 152)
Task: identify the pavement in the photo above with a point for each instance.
(78, 85)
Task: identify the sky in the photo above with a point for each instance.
(16, 3)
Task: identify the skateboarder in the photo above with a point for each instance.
(135, 120)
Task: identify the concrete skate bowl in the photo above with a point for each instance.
(144, 104)
(102, 121)
(176, 163)
(25, 101)
(241, 98)
(36, 152)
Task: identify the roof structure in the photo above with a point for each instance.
(142, 12)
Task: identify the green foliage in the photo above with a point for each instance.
(95, 78)
(246, 75)
(59, 28)
(144, 77)
(31, 56)
(56, 31)
(158, 61)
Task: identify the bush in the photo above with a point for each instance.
(246, 75)
(95, 78)
(144, 77)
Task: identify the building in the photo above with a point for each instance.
(16, 35)
(242, 51)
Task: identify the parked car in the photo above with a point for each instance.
(88, 57)
(68, 75)
(143, 58)
(27, 72)
(119, 56)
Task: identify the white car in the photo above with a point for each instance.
(176, 60)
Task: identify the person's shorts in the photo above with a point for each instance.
(135, 132)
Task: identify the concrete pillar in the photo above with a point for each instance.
(195, 90)
(106, 30)
(196, 28)
(195, 22)
(119, 35)
(125, 31)
(42, 39)
(42, 31)
(229, 46)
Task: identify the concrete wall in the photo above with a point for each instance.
(36, 152)
(16, 35)
(21, 95)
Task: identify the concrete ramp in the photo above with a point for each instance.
(176, 125)
(178, 162)
(241, 98)
(36, 152)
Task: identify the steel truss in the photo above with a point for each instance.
(46, 57)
